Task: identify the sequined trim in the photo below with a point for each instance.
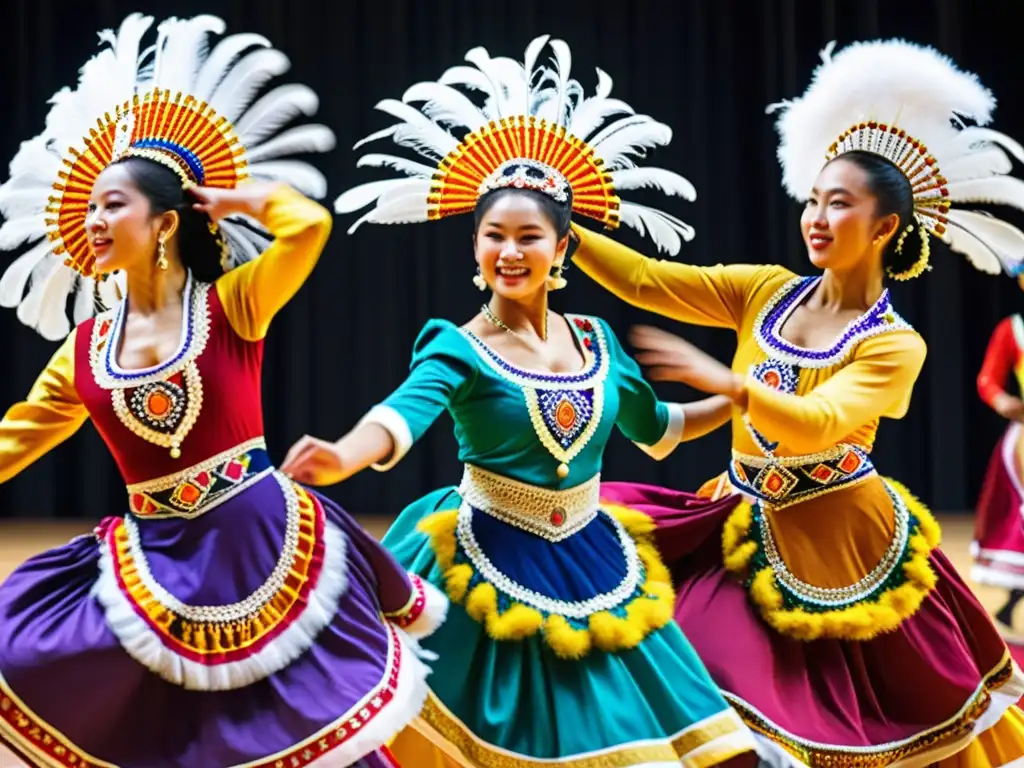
(879, 602)
(396, 697)
(39, 741)
(159, 410)
(581, 610)
(717, 738)
(202, 487)
(595, 368)
(108, 327)
(553, 515)
(880, 318)
(222, 633)
(820, 755)
(565, 408)
(786, 480)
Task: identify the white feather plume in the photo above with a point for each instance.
(923, 93)
(228, 78)
(667, 232)
(275, 110)
(658, 178)
(303, 176)
(466, 99)
(892, 82)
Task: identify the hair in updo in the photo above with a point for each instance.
(893, 193)
(198, 247)
(559, 214)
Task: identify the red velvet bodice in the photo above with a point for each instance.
(228, 370)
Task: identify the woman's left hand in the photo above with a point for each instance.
(666, 357)
(249, 199)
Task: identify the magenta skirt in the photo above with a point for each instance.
(998, 546)
(942, 675)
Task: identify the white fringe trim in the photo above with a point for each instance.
(146, 646)
(434, 612)
(993, 577)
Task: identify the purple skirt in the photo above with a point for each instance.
(253, 635)
(998, 546)
(941, 676)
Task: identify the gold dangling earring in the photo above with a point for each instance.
(161, 262)
(555, 281)
(478, 281)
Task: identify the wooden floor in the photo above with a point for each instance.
(19, 541)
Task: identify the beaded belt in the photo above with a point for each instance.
(554, 515)
(201, 487)
(785, 480)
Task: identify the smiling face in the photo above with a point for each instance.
(122, 228)
(841, 224)
(516, 246)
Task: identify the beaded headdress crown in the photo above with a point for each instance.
(535, 130)
(907, 103)
(176, 103)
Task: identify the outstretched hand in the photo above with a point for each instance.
(667, 357)
(312, 461)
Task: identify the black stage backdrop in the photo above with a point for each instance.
(706, 68)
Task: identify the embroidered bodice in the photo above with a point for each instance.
(801, 402)
(200, 404)
(202, 401)
(539, 428)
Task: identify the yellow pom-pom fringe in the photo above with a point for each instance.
(646, 613)
(861, 621)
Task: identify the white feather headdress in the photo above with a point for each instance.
(907, 103)
(176, 102)
(535, 129)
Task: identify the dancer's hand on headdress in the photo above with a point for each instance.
(249, 199)
(667, 357)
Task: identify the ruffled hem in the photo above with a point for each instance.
(997, 695)
(365, 728)
(707, 743)
(616, 629)
(863, 617)
(424, 613)
(217, 654)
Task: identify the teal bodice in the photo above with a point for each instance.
(524, 424)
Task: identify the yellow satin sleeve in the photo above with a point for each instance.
(254, 292)
(878, 382)
(715, 296)
(50, 414)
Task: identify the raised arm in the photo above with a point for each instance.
(879, 382)
(50, 414)
(253, 293)
(715, 296)
(1002, 355)
(441, 371)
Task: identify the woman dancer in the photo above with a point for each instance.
(998, 546)
(841, 633)
(560, 648)
(231, 617)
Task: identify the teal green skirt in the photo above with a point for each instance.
(522, 676)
